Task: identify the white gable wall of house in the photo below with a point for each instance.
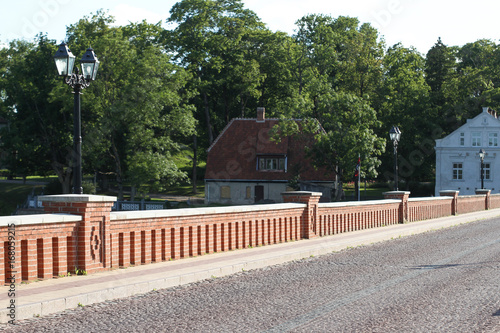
(458, 165)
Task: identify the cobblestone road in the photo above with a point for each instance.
(441, 281)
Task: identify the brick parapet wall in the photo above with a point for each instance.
(41, 245)
(92, 238)
(429, 208)
(470, 203)
(495, 201)
(487, 194)
(336, 218)
(454, 202)
(403, 196)
(92, 244)
(310, 217)
(174, 237)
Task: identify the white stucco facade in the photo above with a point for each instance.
(458, 165)
(244, 192)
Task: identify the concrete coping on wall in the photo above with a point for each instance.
(148, 214)
(448, 192)
(430, 198)
(304, 193)
(480, 191)
(357, 203)
(396, 192)
(77, 198)
(38, 219)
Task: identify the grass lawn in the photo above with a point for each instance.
(371, 192)
(187, 190)
(12, 195)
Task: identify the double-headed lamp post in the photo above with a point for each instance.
(395, 135)
(482, 153)
(65, 61)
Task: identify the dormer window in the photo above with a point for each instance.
(271, 163)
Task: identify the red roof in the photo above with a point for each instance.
(235, 152)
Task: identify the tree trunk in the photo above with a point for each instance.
(133, 191)
(64, 174)
(119, 175)
(340, 195)
(195, 163)
(207, 119)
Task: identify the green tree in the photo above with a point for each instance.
(350, 124)
(403, 99)
(138, 113)
(337, 66)
(476, 81)
(343, 132)
(134, 116)
(213, 40)
(39, 131)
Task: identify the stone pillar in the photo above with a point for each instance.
(454, 202)
(403, 207)
(486, 193)
(310, 216)
(92, 237)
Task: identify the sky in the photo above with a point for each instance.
(417, 23)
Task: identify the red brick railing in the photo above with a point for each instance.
(335, 218)
(429, 208)
(471, 203)
(495, 201)
(82, 234)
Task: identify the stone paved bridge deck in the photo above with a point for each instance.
(55, 295)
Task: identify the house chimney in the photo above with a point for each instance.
(261, 114)
(490, 111)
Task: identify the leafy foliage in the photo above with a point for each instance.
(159, 90)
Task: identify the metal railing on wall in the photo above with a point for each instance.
(122, 205)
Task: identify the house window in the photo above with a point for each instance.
(248, 192)
(225, 192)
(487, 173)
(457, 171)
(462, 139)
(493, 140)
(272, 163)
(476, 139)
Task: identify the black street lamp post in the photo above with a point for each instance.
(482, 153)
(395, 135)
(65, 61)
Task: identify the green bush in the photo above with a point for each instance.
(89, 187)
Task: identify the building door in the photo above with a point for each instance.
(259, 193)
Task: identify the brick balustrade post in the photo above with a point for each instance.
(454, 202)
(92, 234)
(487, 193)
(403, 207)
(310, 216)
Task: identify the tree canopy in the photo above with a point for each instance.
(161, 89)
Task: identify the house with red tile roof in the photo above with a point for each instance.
(244, 166)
